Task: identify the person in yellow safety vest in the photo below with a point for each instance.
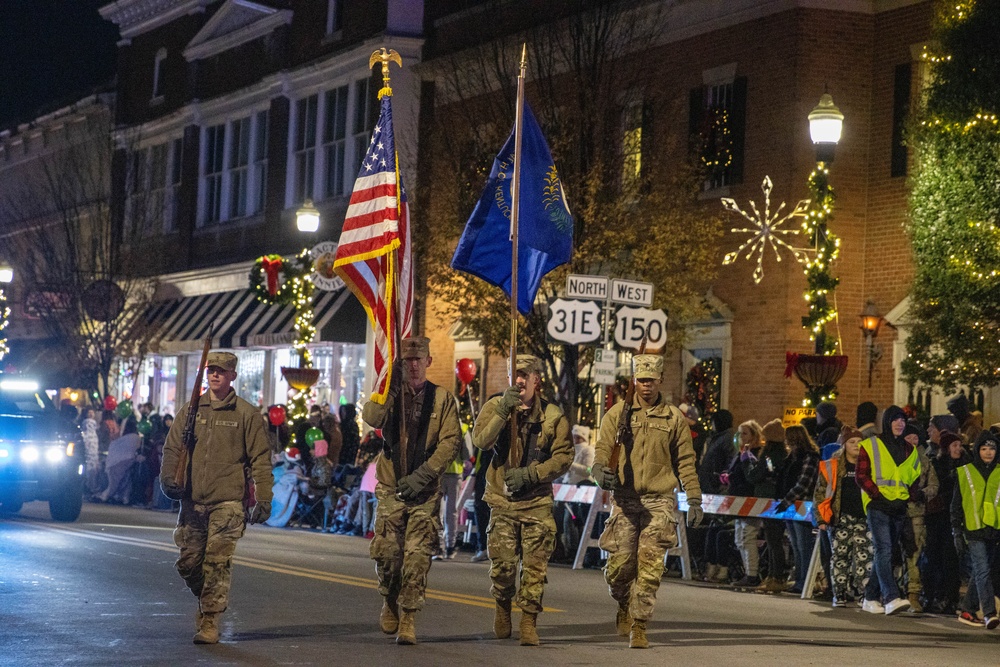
(975, 521)
(451, 484)
(839, 509)
(887, 471)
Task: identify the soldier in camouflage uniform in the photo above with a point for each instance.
(229, 434)
(519, 493)
(408, 518)
(642, 524)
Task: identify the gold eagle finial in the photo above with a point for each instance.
(385, 57)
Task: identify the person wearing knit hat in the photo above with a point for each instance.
(765, 473)
(825, 419)
(866, 416)
(839, 512)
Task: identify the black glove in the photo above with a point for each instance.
(896, 507)
(918, 495)
(412, 485)
(959, 544)
(261, 512)
(605, 477)
(521, 479)
(172, 491)
(695, 514)
(510, 399)
(782, 506)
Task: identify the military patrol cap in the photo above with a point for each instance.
(417, 347)
(225, 360)
(529, 363)
(645, 366)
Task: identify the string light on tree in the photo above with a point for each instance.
(6, 277)
(819, 277)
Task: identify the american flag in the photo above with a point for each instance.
(373, 255)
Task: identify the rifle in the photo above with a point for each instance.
(187, 438)
(624, 434)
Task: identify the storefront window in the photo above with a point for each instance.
(249, 383)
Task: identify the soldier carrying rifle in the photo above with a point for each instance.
(654, 442)
(204, 457)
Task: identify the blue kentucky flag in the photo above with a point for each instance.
(545, 225)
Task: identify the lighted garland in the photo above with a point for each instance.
(819, 278)
(4, 314)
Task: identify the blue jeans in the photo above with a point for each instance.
(800, 534)
(981, 556)
(886, 531)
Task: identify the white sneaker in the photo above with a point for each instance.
(897, 605)
(872, 607)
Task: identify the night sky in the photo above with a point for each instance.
(52, 53)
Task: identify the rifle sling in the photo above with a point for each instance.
(417, 440)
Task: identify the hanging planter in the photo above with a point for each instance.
(818, 372)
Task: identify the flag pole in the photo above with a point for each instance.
(515, 195)
(385, 56)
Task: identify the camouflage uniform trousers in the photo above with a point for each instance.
(527, 537)
(207, 535)
(913, 549)
(636, 537)
(406, 536)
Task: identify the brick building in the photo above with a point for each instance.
(768, 63)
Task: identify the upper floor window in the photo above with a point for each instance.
(717, 125)
(153, 184)
(632, 145)
(363, 121)
(161, 55)
(334, 15)
(233, 169)
(335, 140)
(306, 111)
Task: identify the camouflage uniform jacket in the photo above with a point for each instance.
(661, 452)
(229, 434)
(553, 452)
(444, 435)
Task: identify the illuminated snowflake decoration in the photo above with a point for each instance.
(766, 230)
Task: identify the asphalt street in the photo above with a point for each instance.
(103, 591)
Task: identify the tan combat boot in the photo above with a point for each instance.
(623, 621)
(915, 605)
(388, 619)
(638, 637)
(501, 619)
(529, 633)
(407, 633)
(208, 628)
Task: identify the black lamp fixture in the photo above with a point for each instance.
(871, 322)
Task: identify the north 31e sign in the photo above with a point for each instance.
(574, 322)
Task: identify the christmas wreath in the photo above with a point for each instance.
(273, 277)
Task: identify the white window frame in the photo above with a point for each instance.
(335, 147)
(151, 188)
(161, 55)
(254, 169)
(334, 17)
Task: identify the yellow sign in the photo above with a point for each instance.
(794, 416)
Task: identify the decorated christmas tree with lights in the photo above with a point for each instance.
(954, 221)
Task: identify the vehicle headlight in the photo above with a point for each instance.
(30, 454)
(54, 454)
(4, 453)
(70, 447)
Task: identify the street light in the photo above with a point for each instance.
(6, 277)
(825, 124)
(307, 217)
(871, 321)
(6, 273)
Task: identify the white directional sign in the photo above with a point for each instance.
(605, 365)
(586, 287)
(632, 323)
(574, 322)
(631, 292)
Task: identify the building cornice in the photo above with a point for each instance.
(204, 281)
(135, 17)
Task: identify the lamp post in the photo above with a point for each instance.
(825, 125)
(871, 321)
(307, 218)
(6, 277)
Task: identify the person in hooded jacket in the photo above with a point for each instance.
(971, 424)
(940, 565)
(798, 483)
(975, 521)
(764, 471)
(719, 453)
(888, 470)
(751, 440)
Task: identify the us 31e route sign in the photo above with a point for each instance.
(574, 322)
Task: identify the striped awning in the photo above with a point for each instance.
(241, 321)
